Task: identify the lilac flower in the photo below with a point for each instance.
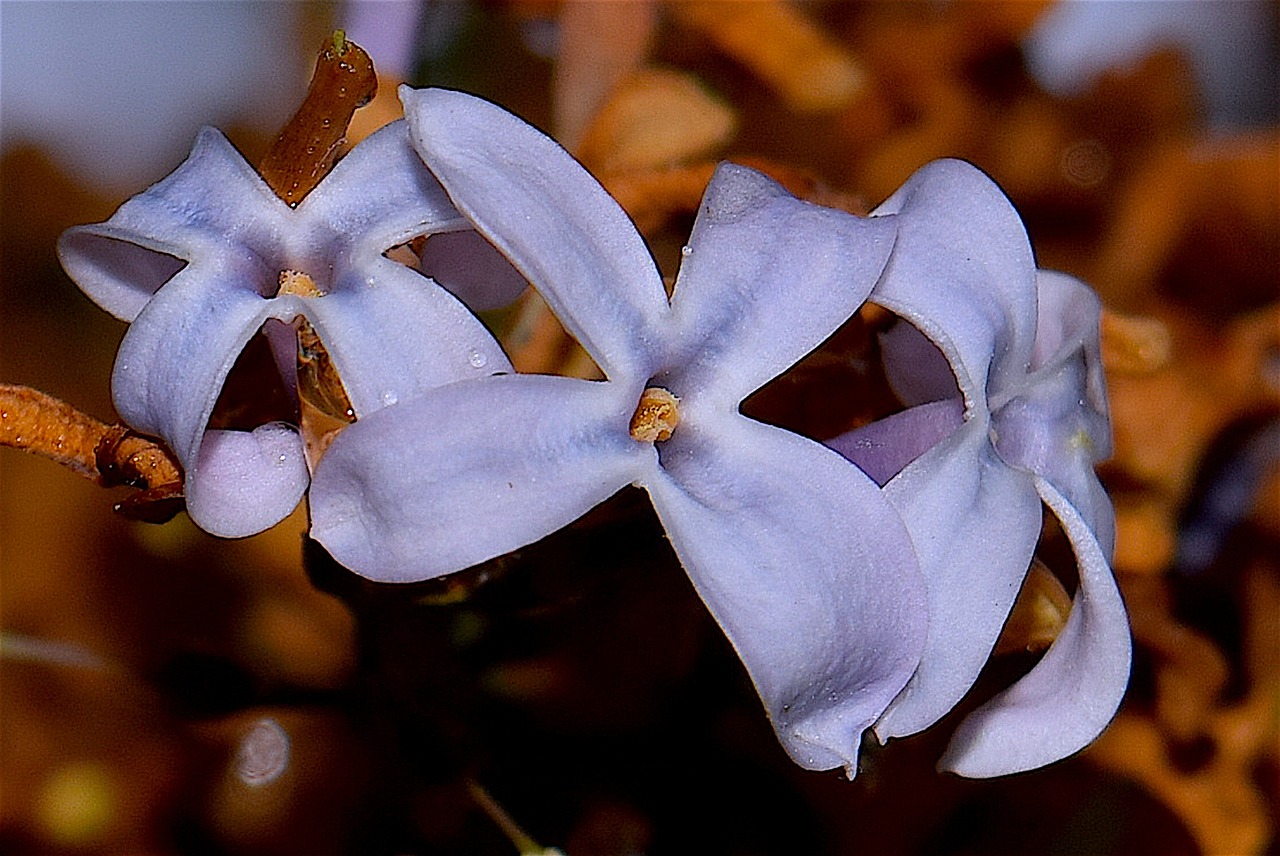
(200, 261)
(1003, 367)
(799, 556)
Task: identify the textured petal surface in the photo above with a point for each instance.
(393, 333)
(975, 523)
(246, 481)
(765, 279)
(555, 222)
(378, 196)
(808, 570)
(174, 357)
(1066, 701)
(1054, 421)
(470, 471)
(962, 271)
(212, 200)
(882, 448)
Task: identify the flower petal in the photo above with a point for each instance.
(214, 198)
(1054, 421)
(962, 271)
(177, 353)
(765, 279)
(470, 471)
(378, 196)
(117, 268)
(882, 448)
(808, 570)
(555, 222)
(916, 370)
(1066, 701)
(1045, 431)
(974, 522)
(246, 481)
(392, 334)
(168, 375)
(471, 269)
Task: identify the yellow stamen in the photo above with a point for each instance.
(656, 416)
(296, 282)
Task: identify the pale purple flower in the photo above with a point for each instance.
(798, 555)
(1003, 372)
(195, 262)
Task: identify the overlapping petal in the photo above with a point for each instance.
(393, 334)
(974, 523)
(808, 570)
(172, 363)
(470, 268)
(1066, 701)
(554, 222)
(882, 448)
(916, 369)
(376, 197)
(1022, 347)
(802, 559)
(470, 471)
(1054, 421)
(246, 479)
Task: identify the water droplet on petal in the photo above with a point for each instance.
(686, 251)
(478, 360)
(389, 398)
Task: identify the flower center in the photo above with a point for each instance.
(299, 283)
(656, 416)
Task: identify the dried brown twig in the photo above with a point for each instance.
(108, 455)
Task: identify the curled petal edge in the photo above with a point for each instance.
(1066, 701)
(246, 481)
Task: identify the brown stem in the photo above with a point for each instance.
(304, 152)
(39, 423)
(106, 454)
(299, 158)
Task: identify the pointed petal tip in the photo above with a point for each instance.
(735, 190)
